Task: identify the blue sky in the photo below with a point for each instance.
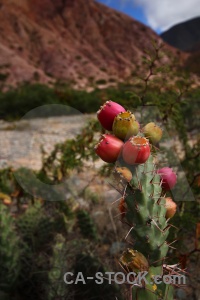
(127, 8)
(160, 15)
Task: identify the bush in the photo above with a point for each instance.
(17, 102)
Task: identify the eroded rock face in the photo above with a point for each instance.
(75, 40)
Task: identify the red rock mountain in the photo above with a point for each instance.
(75, 40)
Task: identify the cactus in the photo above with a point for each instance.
(9, 252)
(37, 228)
(86, 225)
(144, 209)
(57, 288)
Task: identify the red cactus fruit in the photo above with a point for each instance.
(168, 178)
(108, 112)
(109, 148)
(171, 208)
(153, 132)
(136, 150)
(125, 125)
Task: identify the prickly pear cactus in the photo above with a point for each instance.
(142, 207)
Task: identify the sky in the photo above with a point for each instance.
(160, 15)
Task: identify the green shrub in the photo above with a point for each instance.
(17, 102)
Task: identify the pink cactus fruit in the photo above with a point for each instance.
(168, 178)
(107, 114)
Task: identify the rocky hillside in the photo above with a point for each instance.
(184, 36)
(75, 40)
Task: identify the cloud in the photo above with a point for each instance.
(162, 14)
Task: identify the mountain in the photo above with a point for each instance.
(78, 41)
(184, 36)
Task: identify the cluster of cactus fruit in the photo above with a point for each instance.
(143, 206)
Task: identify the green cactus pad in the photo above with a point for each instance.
(146, 213)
